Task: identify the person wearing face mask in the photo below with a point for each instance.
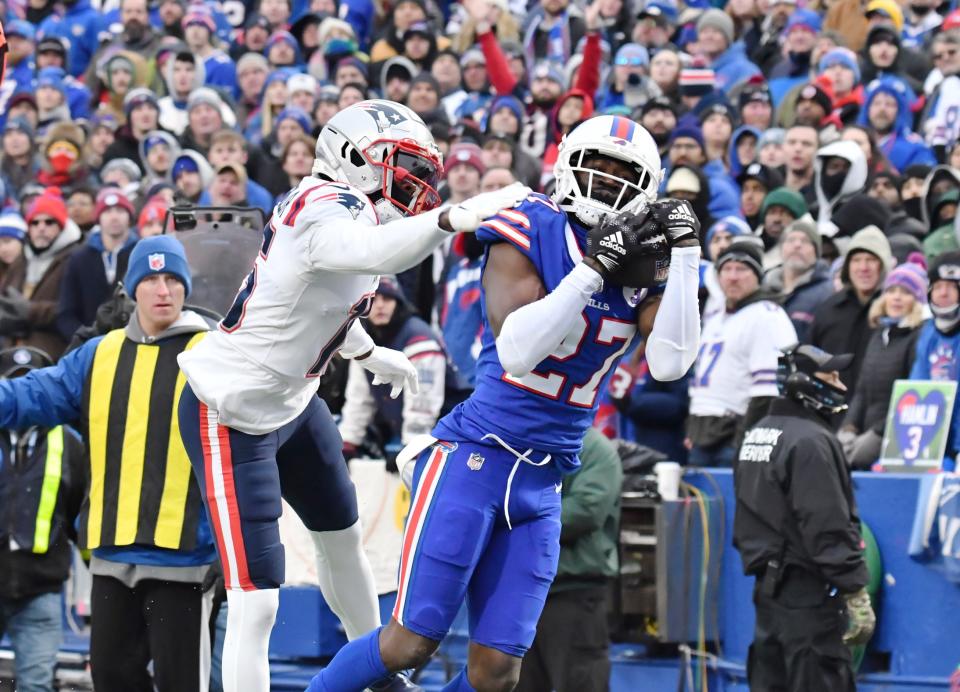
(938, 346)
(839, 172)
(911, 189)
(62, 164)
(30, 290)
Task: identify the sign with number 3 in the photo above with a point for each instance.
(918, 424)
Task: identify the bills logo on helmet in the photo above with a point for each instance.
(157, 261)
(383, 115)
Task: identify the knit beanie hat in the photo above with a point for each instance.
(784, 197)
(745, 251)
(815, 91)
(138, 97)
(50, 203)
(465, 152)
(841, 56)
(719, 20)
(859, 211)
(690, 131)
(295, 114)
(911, 277)
(697, 79)
(161, 254)
(154, 210)
(871, 239)
(12, 225)
(809, 229)
(110, 197)
(733, 225)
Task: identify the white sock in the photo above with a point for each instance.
(346, 579)
(250, 616)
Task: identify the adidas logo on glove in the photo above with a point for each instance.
(681, 214)
(615, 243)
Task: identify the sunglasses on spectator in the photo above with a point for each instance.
(45, 222)
(945, 54)
(632, 62)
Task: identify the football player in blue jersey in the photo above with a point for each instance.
(570, 282)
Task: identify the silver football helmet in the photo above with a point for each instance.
(385, 150)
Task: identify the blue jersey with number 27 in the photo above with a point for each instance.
(550, 409)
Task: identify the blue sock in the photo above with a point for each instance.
(355, 666)
(459, 684)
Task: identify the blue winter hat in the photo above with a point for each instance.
(632, 55)
(12, 225)
(19, 123)
(184, 164)
(52, 77)
(506, 101)
(161, 254)
(899, 90)
(295, 114)
(279, 75)
(20, 27)
(733, 225)
(686, 128)
(152, 141)
(805, 18)
(840, 56)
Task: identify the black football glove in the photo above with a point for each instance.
(631, 249)
(676, 220)
(612, 241)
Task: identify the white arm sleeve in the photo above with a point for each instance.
(352, 247)
(532, 332)
(675, 337)
(357, 342)
(358, 405)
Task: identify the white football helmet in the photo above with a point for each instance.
(385, 150)
(616, 137)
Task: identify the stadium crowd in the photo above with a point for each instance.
(826, 136)
(818, 142)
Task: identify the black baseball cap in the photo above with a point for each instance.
(769, 177)
(658, 103)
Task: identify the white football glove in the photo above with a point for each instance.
(392, 368)
(467, 216)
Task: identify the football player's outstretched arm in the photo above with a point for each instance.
(528, 322)
(351, 247)
(673, 340)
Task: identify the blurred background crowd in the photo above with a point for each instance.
(819, 138)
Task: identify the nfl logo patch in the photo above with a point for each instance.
(157, 261)
(475, 462)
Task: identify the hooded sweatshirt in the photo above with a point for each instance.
(173, 113)
(736, 166)
(152, 177)
(853, 182)
(902, 146)
(204, 167)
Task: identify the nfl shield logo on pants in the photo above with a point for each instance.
(474, 462)
(157, 261)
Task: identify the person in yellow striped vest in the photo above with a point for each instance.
(142, 518)
(42, 484)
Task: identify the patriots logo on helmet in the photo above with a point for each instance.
(157, 261)
(383, 115)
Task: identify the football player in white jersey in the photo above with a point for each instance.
(249, 416)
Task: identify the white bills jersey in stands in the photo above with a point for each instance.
(738, 358)
(291, 315)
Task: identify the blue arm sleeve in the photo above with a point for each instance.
(49, 396)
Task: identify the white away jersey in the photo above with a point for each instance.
(738, 358)
(262, 366)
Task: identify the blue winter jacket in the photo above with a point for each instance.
(902, 147)
(80, 25)
(724, 191)
(938, 358)
(733, 67)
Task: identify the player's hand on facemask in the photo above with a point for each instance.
(677, 221)
(467, 216)
(392, 368)
(860, 618)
